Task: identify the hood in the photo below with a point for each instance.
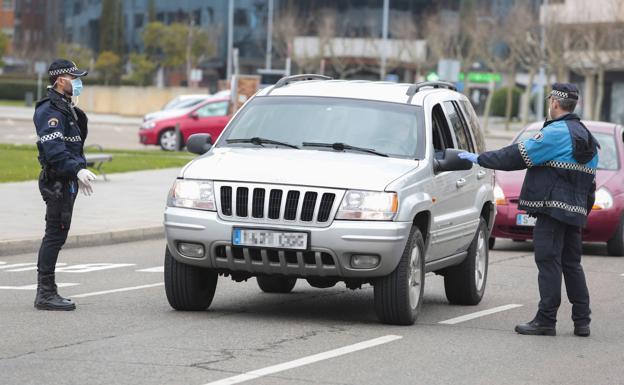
(165, 114)
(511, 181)
(344, 170)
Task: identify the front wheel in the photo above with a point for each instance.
(168, 140)
(615, 246)
(188, 287)
(464, 284)
(399, 295)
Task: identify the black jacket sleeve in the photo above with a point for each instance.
(591, 197)
(507, 159)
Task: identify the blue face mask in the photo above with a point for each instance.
(76, 87)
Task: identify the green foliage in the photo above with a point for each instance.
(499, 102)
(142, 69)
(112, 27)
(4, 46)
(16, 89)
(151, 11)
(78, 54)
(167, 45)
(18, 163)
(109, 66)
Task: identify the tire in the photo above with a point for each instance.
(168, 140)
(615, 245)
(464, 284)
(276, 284)
(188, 287)
(399, 295)
(491, 242)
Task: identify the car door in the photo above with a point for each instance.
(210, 118)
(447, 192)
(470, 210)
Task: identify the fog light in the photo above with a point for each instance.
(364, 261)
(191, 250)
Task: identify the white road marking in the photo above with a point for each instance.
(34, 286)
(117, 290)
(2, 263)
(17, 265)
(89, 267)
(31, 268)
(305, 360)
(157, 269)
(478, 314)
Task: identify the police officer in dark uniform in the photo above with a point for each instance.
(61, 129)
(559, 189)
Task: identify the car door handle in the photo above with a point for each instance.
(460, 182)
(481, 174)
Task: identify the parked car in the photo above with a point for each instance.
(335, 181)
(182, 102)
(606, 220)
(209, 116)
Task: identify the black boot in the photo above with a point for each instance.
(581, 330)
(534, 328)
(48, 297)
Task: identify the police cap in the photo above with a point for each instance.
(565, 91)
(62, 66)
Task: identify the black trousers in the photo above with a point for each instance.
(558, 249)
(59, 197)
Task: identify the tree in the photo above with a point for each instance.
(78, 54)
(109, 66)
(112, 27)
(142, 69)
(4, 46)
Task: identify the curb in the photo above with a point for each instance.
(21, 246)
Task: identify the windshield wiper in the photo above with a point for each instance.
(342, 147)
(260, 141)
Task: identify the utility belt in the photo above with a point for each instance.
(60, 192)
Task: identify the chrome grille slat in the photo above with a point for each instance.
(277, 204)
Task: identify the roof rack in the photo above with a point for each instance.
(286, 80)
(414, 88)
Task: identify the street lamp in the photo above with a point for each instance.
(384, 43)
(539, 108)
(230, 38)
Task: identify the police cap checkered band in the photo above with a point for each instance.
(565, 91)
(62, 66)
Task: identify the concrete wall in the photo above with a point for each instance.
(129, 101)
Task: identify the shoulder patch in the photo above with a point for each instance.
(539, 136)
(53, 122)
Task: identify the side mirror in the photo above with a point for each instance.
(451, 162)
(199, 143)
(194, 115)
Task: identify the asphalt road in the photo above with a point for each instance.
(124, 332)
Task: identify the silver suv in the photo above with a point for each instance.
(332, 180)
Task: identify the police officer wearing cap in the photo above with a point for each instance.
(61, 129)
(559, 190)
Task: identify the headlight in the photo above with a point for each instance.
(604, 199)
(193, 194)
(149, 124)
(499, 195)
(368, 205)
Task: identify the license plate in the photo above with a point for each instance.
(525, 220)
(270, 238)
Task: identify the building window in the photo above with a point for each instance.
(241, 18)
(8, 5)
(138, 20)
(210, 15)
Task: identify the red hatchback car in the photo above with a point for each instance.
(606, 220)
(208, 117)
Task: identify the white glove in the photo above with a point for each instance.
(84, 181)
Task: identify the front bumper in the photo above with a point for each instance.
(147, 136)
(601, 224)
(329, 255)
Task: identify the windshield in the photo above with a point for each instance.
(607, 153)
(388, 128)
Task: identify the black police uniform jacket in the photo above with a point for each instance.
(62, 130)
(561, 161)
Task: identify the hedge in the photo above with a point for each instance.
(499, 102)
(13, 89)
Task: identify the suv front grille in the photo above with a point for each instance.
(277, 204)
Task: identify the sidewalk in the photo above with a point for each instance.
(26, 113)
(128, 207)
